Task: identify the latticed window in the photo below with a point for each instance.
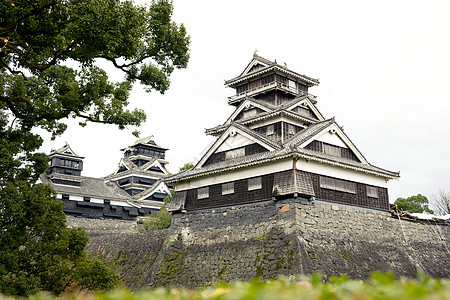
(203, 193)
(331, 150)
(372, 191)
(254, 183)
(292, 84)
(290, 129)
(228, 188)
(337, 184)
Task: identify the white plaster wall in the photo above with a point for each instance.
(233, 142)
(268, 168)
(337, 172)
(97, 200)
(331, 138)
(120, 203)
(76, 198)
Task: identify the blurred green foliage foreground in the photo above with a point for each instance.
(379, 286)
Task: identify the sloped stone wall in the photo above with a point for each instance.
(132, 255)
(271, 238)
(100, 226)
(227, 244)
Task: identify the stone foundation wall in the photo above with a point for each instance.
(271, 238)
(98, 226)
(132, 255)
(342, 239)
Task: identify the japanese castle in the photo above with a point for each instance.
(277, 144)
(136, 188)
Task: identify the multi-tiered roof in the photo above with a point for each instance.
(276, 119)
(141, 171)
(136, 188)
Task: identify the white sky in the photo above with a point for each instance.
(383, 66)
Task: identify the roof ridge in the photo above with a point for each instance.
(257, 135)
(294, 140)
(149, 189)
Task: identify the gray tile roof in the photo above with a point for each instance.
(287, 149)
(148, 140)
(271, 65)
(65, 150)
(266, 115)
(177, 202)
(149, 191)
(256, 135)
(292, 181)
(135, 170)
(264, 157)
(90, 187)
(307, 133)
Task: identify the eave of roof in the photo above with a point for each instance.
(134, 171)
(265, 157)
(260, 117)
(275, 68)
(90, 187)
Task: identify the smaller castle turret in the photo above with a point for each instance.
(65, 166)
(141, 171)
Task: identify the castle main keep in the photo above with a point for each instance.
(277, 144)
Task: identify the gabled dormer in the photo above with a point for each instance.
(306, 108)
(248, 109)
(235, 142)
(327, 138)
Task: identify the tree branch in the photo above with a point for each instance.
(89, 118)
(11, 70)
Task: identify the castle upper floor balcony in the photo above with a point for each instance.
(273, 85)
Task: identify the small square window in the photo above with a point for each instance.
(203, 193)
(228, 188)
(254, 183)
(87, 199)
(372, 191)
(65, 197)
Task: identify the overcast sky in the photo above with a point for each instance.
(383, 68)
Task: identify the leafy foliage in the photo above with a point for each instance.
(414, 204)
(187, 166)
(157, 221)
(379, 287)
(161, 220)
(49, 51)
(38, 37)
(39, 253)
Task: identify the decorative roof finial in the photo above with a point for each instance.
(255, 53)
